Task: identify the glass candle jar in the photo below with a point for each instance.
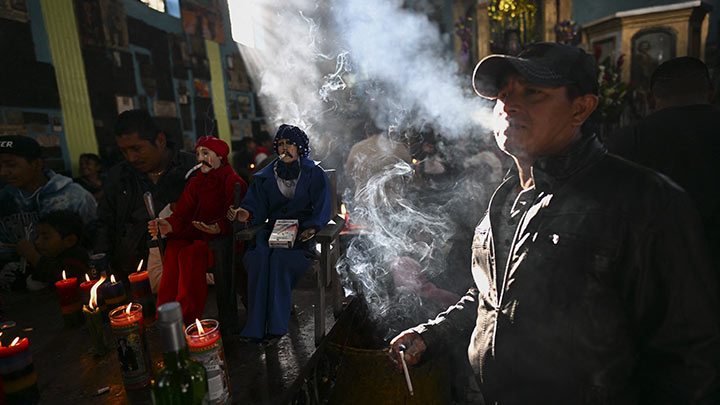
(205, 345)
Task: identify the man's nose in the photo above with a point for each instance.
(510, 102)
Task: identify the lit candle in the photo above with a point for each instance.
(70, 306)
(127, 325)
(345, 216)
(93, 317)
(19, 381)
(85, 288)
(113, 294)
(141, 292)
(205, 346)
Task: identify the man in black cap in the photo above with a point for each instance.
(591, 281)
(30, 192)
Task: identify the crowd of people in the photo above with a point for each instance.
(51, 224)
(594, 273)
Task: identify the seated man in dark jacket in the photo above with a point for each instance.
(680, 139)
(151, 164)
(591, 280)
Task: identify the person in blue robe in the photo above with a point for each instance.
(290, 187)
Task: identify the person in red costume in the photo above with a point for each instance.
(198, 218)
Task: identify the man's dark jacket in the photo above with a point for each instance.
(609, 298)
(122, 214)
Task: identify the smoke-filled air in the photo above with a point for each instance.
(347, 70)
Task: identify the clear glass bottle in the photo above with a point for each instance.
(181, 379)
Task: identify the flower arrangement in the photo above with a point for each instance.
(501, 9)
(613, 92)
(566, 32)
(463, 29)
(518, 16)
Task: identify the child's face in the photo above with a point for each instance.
(88, 167)
(50, 243)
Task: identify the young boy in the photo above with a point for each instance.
(56, 248)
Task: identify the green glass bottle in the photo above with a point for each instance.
(181, 380)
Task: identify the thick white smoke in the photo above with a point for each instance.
(328, 67)
(404, 49)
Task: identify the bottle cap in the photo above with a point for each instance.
(170, 321)
(170, 312)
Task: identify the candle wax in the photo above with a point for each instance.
(93, 318)
(68, 292)
(138, 276)
(7, 351)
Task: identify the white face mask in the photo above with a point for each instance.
(207, 157)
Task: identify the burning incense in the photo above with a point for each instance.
(405, 369)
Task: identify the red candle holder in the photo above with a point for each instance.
(127, 325)
(85, 288)
(17, 374)
(69, 297)
(141, 292)
(205, 346)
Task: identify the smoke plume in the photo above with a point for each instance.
(332, 67)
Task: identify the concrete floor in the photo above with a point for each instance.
(67, 374)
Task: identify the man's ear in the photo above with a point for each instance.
(69, 241)
(161, 141)
(583, 106)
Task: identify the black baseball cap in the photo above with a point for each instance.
(20, 145)
(546, 64)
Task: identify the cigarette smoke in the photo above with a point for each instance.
(329, 68)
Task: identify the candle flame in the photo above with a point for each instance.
(93, 293)
(342, 209)
(252, 165)
(112, 278)
(87, 278)
(129, 307)
(15, 341)
(64, 277)
(199, 327)
(140, 265)
(414, 161)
